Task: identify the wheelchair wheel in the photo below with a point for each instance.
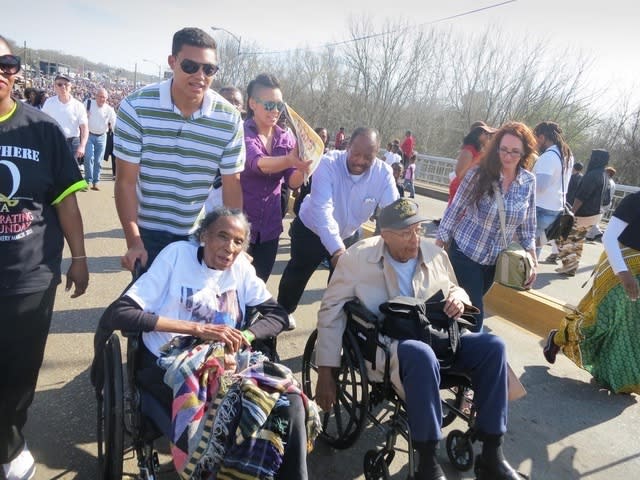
(376, 464)
(342, 426)
(460, 450)
(453, 397)
(111, 413)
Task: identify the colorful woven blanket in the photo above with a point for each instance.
(229, 425)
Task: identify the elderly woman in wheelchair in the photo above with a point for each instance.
(400, 262)
(233, 412)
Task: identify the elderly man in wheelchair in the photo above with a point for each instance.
(232, 412)
(400, 262)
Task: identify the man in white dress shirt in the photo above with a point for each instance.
(347, 187)
(102, 116)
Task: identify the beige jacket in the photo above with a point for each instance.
(364, 272)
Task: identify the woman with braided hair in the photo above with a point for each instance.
(553, 172)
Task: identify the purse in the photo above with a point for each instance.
(561, 226)
(412, 318)
(514, 264)
(563, 223)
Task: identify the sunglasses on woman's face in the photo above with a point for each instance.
(9, 64)
(270, 106)
(190, 67)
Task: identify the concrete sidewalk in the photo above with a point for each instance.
(564, 429)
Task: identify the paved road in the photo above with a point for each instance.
(563, 429)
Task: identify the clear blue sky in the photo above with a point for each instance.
(122, 33)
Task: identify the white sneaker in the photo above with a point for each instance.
(292, 323)
(23, 467)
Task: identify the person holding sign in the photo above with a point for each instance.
(272, 159)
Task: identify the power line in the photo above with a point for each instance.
(375, 35)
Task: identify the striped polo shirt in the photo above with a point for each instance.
(178, 157)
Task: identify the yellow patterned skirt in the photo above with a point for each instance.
(603, 334)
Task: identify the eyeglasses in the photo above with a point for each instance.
(407, 235)
(510, 153)
(62, 84)
(190, 67)
(269, 106)
(10, 64)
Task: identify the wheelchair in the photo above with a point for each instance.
(129, 418)
(359, 399)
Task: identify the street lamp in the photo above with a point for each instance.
(235, 37)
(157, 65)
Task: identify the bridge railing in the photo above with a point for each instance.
(434, 170)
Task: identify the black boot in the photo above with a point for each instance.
(491, 464)
(428, 466)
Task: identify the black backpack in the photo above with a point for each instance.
(413, 318)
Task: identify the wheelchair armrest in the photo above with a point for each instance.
(354, 308)
(131, 333)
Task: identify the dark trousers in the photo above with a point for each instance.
(482, 356)
(264, 257)
(307, 252)
(474, 277)
(108, 152)
(285, 193)
(294, 463)
(155, 240)
(22, 343)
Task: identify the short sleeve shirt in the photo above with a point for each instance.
(37, 171)
(178, 285)
(261, 191)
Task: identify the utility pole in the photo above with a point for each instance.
(26, 62)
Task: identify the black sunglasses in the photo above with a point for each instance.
(269, 105)
(189, 67)
(10, 64)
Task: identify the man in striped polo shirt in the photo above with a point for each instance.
(171, 139)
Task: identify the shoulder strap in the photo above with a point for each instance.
(501, 212)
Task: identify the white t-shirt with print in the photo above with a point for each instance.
(178, 286)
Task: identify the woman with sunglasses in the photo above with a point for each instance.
(471, 223)
(272, 159)
(38, 210)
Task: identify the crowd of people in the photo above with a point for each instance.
(201, 189)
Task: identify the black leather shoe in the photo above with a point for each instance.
(500, 471)
(550, 349)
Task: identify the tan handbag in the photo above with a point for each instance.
(514, 264)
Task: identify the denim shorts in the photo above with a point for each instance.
(544, 218)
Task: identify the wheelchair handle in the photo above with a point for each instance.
(138, 270)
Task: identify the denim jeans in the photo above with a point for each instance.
(475, 278)
(544, 218)
(410, 187)
(73, 143)
(93, 156)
